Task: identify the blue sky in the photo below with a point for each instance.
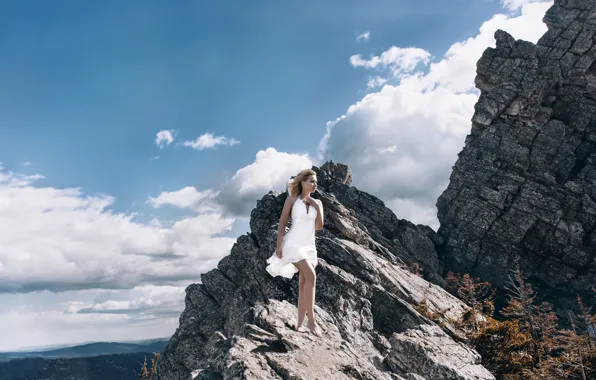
(86, 86)
(89, 203)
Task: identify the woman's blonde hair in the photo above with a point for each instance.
(295, 184)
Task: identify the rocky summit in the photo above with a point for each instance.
(523, 190)
(239, 322)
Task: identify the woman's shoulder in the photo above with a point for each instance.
(290, 199)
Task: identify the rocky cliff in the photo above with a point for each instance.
(238, 323)
(523, 191)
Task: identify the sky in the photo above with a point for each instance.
(137, 136)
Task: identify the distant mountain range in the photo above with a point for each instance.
(90, 349)
(89, 361)
(104, 367)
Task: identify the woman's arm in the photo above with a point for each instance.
(283, 222)
(319, 220)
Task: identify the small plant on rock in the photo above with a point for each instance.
(476, 294)
(149, 373)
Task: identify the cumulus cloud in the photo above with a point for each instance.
(164, 138)
(67, 260)
(186, 198)
(402, 141)
(209, 140)
(270, 171)
(398, 60)
(363, 37)
(64, 239)
(238, 195)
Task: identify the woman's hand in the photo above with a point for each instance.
(278, 252)
(313, 202)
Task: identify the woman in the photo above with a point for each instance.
(296, 251)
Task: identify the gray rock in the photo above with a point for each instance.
(413, 376)
(374, 224)
(427, 350)
(239, 322)
(522, 192)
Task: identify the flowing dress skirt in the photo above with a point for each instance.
(298, 244)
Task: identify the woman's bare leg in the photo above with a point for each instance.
(301, 305)
(310, 277)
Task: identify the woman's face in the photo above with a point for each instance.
(310, 184)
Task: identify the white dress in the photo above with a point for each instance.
(298, 244)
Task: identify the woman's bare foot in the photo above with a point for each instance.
(299, 328)
(314, 329)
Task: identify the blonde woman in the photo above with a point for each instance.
(296, 251)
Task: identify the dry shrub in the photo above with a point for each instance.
(149, 373)
(526, 342)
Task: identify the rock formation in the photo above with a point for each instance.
(238, 323)
(523, 191)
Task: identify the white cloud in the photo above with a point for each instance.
(208, 140)
(376, 82)
(63, 239)
(68, 261)
(398, 60)
(105, 270)
(141, 302)
(516, 5)
(26, 163)
(363, 37)
(11, 179)
(45, 318)
(270, 171)
(237, 196)
(402, 141)
(188, 197)
(164, 138)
